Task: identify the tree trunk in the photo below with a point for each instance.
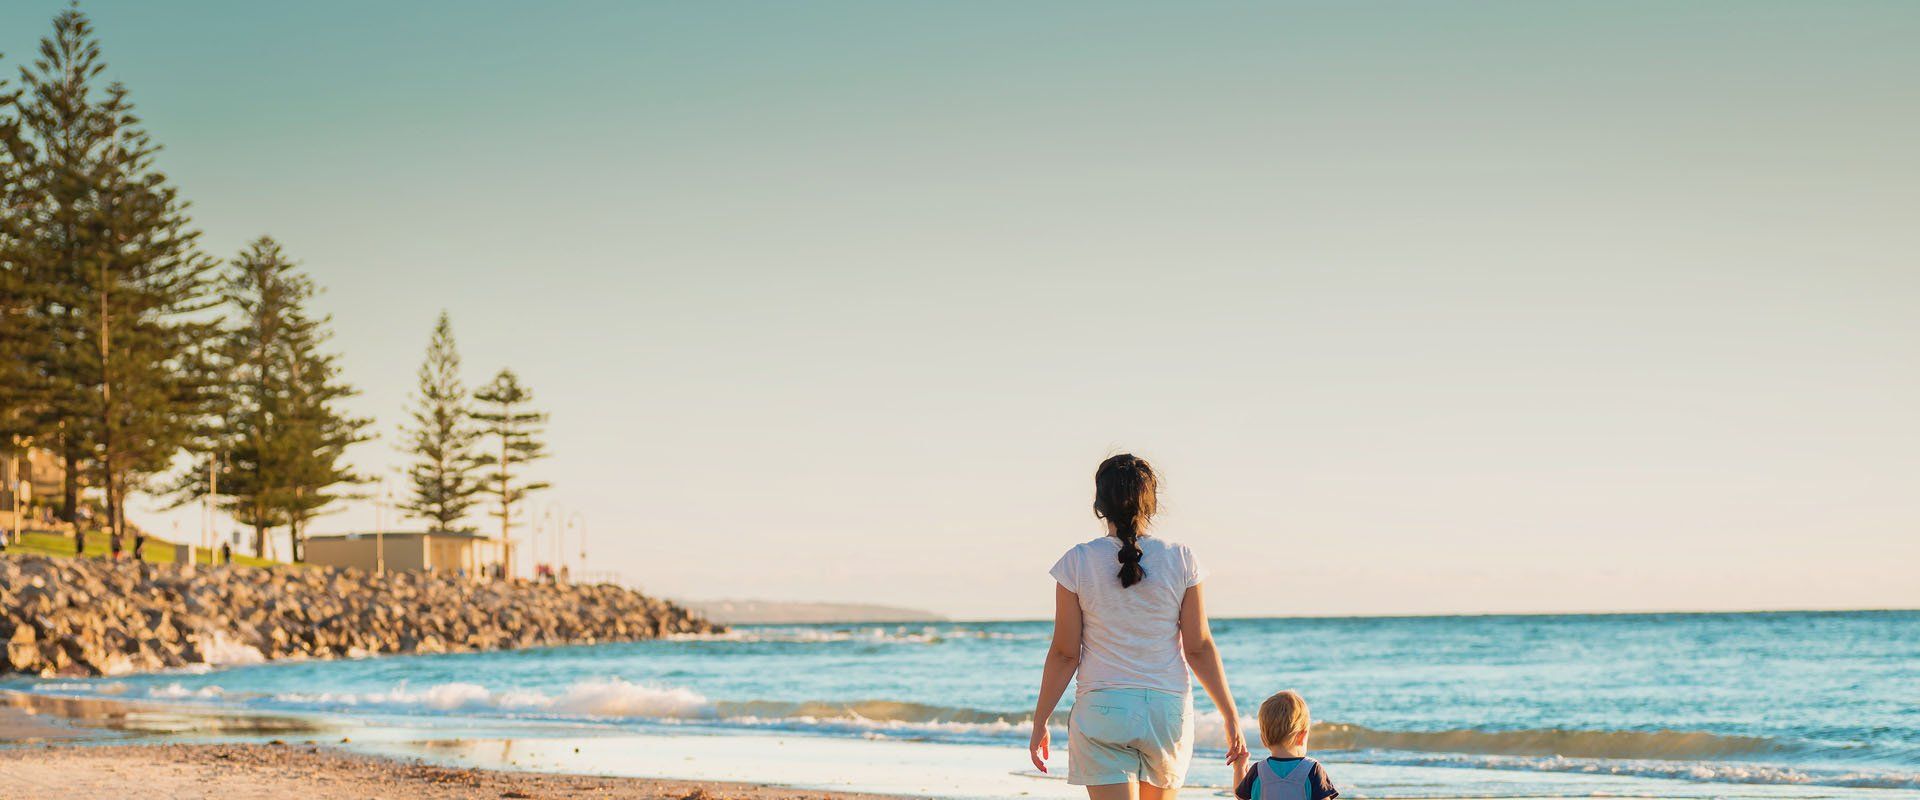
(107, 455)
(69, 483)
(296, 530)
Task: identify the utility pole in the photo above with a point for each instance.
(206, 509)
(13, 530)
(380, 529)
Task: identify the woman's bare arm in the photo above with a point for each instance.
(1063, 659)
(1196, 637)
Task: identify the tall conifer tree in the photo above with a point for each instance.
(23, 335)
(442, 438)
(120, 280)
(277, 444)
(504, 410)
(318, 429)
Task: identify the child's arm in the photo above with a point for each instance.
(1321, 787)
(1243, 779)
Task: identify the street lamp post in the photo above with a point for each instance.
(554, 521)
(549, 520)
(12, 532)
(213, 492)
(579, 520)
(380, 528)
(559, 539)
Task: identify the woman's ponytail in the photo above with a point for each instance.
(1125, 493)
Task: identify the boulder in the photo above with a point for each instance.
(91, 617)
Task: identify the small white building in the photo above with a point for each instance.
(466, 552)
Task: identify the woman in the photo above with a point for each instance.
(1129, 621)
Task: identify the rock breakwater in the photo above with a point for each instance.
(83, 617)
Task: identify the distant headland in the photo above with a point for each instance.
(772, 612)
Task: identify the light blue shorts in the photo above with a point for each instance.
(1128, 736)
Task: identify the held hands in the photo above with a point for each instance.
(1040, 745)
(1236, 753)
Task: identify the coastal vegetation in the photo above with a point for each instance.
(145, 365)
(505, 415)
(442, 438)
(273, 448)
(106, 287)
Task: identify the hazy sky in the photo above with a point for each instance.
(1419, 307)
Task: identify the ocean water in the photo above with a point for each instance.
(1767, 705)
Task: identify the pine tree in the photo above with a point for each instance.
(277, 443)
(121, 280)
(60, 118)
(23, 334)
(514, 430)
(442, 438)
(318, 431)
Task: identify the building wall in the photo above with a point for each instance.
(447, 555)
(439, 553)
(402, 552)
(41, 469)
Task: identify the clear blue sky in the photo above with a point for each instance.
(1420, 307)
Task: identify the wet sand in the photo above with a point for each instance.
(276, 772)
(109, 750)
(19, 726)
(67, 749)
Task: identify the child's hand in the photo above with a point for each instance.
(1040, 745)
(1236, 746)
(1240, 768)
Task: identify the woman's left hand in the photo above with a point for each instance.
(1040, 745)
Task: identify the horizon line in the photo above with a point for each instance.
(1415, 615)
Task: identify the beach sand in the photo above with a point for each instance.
(110, 750)
(45, 755)
(276, 772)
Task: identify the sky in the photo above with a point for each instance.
(1418, 308)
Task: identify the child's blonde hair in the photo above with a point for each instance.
(1282, 717)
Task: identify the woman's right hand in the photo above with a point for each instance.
(1040, 744)
(1236, 745)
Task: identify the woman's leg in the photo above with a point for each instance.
(1149, 791)
(1116, 791)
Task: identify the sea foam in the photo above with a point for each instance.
(1674, 754)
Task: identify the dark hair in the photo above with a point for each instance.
(1125, 493)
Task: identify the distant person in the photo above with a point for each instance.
(226, 552)
(1288, 774)
(1129, 623)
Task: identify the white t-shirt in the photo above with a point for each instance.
(1130, 637)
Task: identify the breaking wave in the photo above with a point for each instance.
(601, 698)
(1684, 755)
(1702, 771)
(1538, 742)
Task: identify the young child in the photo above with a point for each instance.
(1289, 774)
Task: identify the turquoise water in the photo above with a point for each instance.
(1812, 700)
